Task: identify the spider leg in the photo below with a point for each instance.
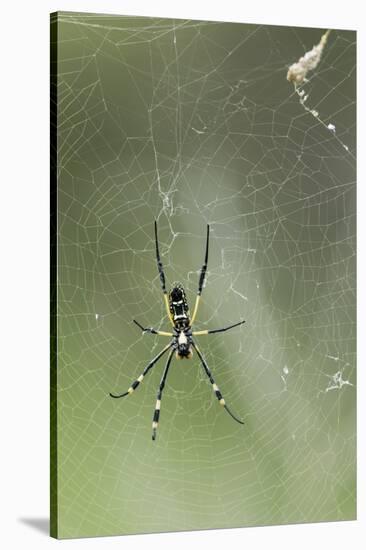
(152, 330)
(158, 399)
(141, 377)
(202, 332)
(214, 385)
(202, 278)
(162, 275)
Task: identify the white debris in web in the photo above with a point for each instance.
(336, 381)
(284, 377)
(297, 74)
(298, 71)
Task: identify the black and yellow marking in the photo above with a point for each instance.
(199, 332)
(214, 385)
(156, 416)
(134, 384)
(218, 393)
(167, 307)
(198, 297)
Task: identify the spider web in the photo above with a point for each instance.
(189, 123)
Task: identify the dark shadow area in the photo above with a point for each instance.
(40, 524)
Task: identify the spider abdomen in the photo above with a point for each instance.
(179, 306)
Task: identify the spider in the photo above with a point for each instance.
(182, 343)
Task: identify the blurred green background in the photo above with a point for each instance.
(189, 123)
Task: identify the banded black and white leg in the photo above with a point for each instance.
(202, 332)
(202, 278)
(214, 385)
(162, 275)
(156, 416)
(138, 381)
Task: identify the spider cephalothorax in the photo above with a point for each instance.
(182, 342)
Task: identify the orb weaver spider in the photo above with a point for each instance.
(182, 343)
